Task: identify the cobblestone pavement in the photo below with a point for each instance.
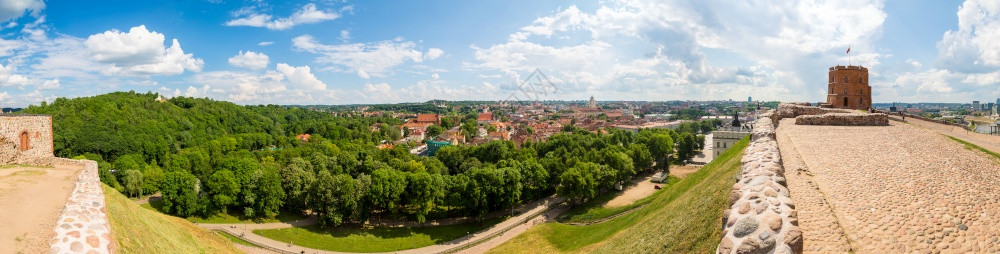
(892, 189)
(820, 230)
(991, 142)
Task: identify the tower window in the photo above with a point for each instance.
(25, 141)
(845, 91)
(845, 79)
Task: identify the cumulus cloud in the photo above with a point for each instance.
(657, 48)
(140, 52)
(13, 9)
(309, 14)
(434, 53)
(9, 78)
(365, 59)
(250, 60)
(301, 76)
(973, 47)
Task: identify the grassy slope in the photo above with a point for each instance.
(347, 239)
(685, 218)
(140, 230)
(594, 210)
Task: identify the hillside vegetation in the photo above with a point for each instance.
(211, 157)
(140, 230)
(685, 218)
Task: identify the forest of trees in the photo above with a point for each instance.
(207, 157)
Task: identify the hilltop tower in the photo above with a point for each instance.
(848, 88)
(592, 104)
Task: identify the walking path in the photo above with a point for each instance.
(504, 230)
(990, 142)
(32, 198)
(891, 189)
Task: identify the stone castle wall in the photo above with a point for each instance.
(762, 216)
(37, 151)
(844, 119)
(83, 226)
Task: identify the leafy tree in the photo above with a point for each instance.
(133, 182)
(334, 198)
(296, 179)
(434, 130)
(223, 189)
(387, 186)
(180, 194)
(661, 146)
(152, 176)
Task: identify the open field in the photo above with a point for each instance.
(684, 218)
(891, 189)
(32, 199)
(140, 230)
(354, 239)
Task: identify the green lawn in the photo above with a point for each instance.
(594, 209)
(685, 218)
(355, 239)
(230, 218)
(235, 239)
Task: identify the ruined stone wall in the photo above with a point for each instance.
(844, 119)
(791, 110)
(83, 226)
(38, 131)
(762, 216)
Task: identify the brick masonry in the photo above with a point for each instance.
(83, 226)
(36, 130)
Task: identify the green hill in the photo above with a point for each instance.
(140, 230)
(684, 219)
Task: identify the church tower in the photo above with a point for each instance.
(592, 103)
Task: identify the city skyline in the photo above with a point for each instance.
(342, 52)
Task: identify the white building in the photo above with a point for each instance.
(722, 140)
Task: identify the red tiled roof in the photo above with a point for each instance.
(429, 118)
(485, 117)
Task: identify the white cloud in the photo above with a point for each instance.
(139, 52)
(265, 43)
(4, 98)
(434, 53)
(656, 49)
(49, 84)
(365, 59)
(8, 78)
(301, 76)
(13, 9)
(914, 63)
(973, 47)
(345, 35)
(250, 60)
(307, 15)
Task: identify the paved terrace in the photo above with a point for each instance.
(890, 189)
(32, 199)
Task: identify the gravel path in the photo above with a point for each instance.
(991, 142)
(893, 189)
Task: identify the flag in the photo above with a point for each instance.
(848, 50)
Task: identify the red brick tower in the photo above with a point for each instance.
(849, 88)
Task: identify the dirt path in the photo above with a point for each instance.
(636, 190)
(32, 200)
(683, 171)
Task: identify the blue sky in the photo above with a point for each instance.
(345, 52)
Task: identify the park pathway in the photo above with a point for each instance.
(505, 230)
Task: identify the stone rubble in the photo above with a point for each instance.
(83, 226)
(844, 119)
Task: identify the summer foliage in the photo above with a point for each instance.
(208, 157)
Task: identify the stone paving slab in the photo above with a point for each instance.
(900, 188)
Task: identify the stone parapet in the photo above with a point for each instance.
(844, 119)
(790, 110)
(762, 216)
(83, 226)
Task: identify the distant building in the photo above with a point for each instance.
(592, 104)
(848, 88)
(428, 118)
(485, 118)
(975, 106)
(723, 140)
(303, 137)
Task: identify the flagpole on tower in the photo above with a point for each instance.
(848, 55)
